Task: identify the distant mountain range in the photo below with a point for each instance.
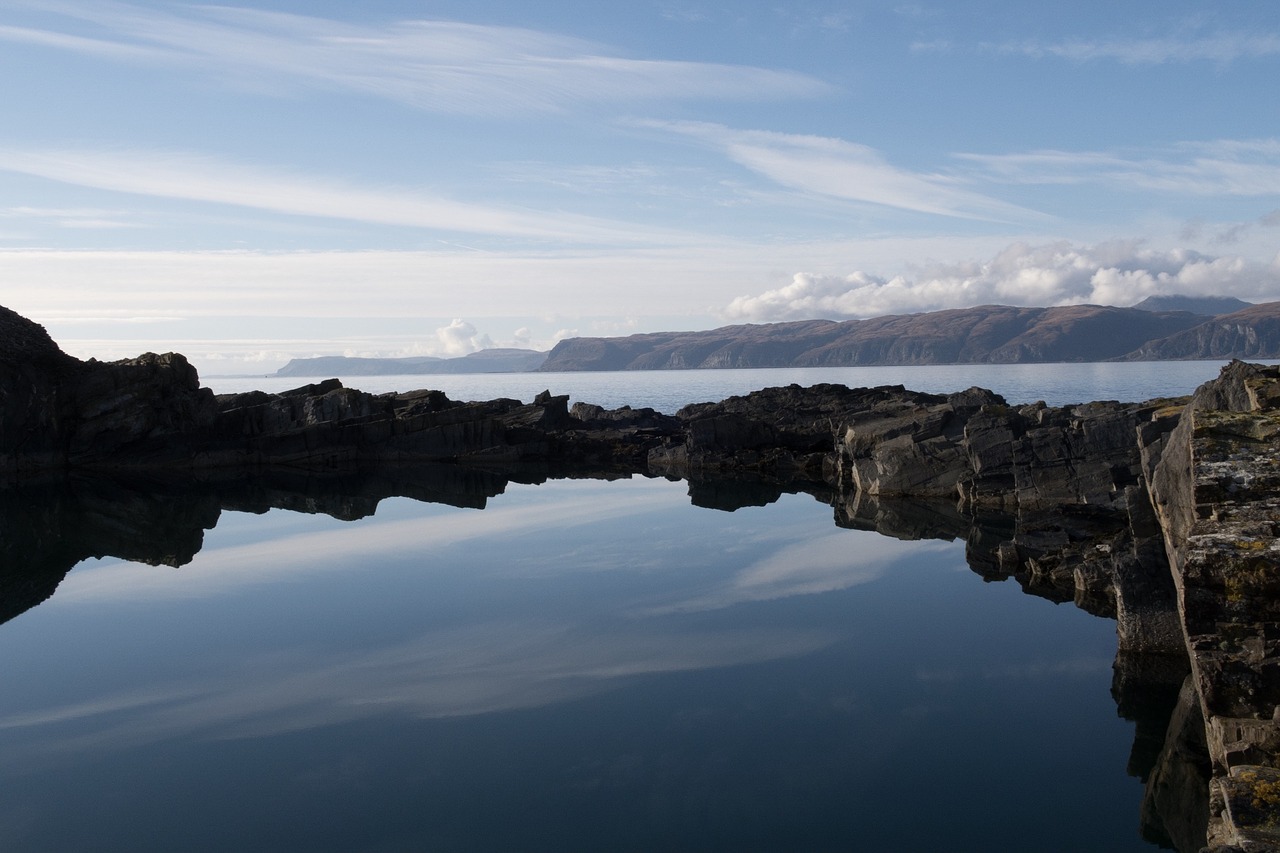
(484, 361)
(989, 334)
(1251, 333)
(1210, 306)
(1158, 328)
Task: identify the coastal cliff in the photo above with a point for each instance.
(1161, 514)
(1168, 327)
(986, 334)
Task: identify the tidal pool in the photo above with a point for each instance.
(581, 665)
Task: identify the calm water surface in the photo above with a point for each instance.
(668, 390)
(580, 666)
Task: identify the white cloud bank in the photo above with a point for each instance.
(1119, 273)
(441, 66)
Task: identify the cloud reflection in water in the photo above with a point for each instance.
(446, 661)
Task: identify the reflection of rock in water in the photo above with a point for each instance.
(351, 494)
(730, 495)
(1146, 689)
(734, 493)
(904, 519)
(1103, 568)
(48, 528)
(1106, 564)
(1175, 808)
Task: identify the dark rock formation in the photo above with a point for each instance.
(56, 411)
(61, 414)
(1216, 489)
(1052, 497)
(24, 343)
(781, 433)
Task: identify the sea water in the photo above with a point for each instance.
(668, 390)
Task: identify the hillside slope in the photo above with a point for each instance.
(986, 334)
(495, 360)
(1251, 333)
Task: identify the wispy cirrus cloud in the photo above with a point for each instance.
(71, 217)
(182, 175)
(1220, 167)
(443, 66)
(1219, 47)
(836, 168)
(80, 44)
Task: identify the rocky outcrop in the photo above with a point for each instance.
(1065, 484)
(56, 411)
(1174, 506)
(782, 433)
(61, 414)
(1217, 493)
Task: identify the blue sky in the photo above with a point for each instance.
(248, 183)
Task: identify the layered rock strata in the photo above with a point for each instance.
(1217, 494)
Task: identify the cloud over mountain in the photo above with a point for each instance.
(460, 338)
(1117, 273)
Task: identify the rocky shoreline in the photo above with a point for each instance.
(1164, 515)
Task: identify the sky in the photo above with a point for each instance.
(253, 182)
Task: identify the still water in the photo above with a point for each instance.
(580, 665)
(668, 390)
